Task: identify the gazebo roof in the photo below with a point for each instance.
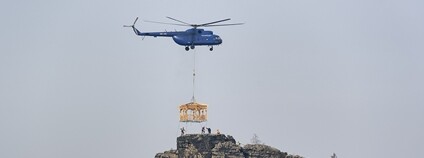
(194, 105)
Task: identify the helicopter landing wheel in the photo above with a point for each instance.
(186, 48)
(211, 48)
(192, 46)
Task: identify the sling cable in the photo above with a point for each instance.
(193, 112)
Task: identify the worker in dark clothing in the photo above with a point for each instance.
(182, 131)
(209, 130)
(203, 130)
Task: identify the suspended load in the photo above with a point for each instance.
(193, 112)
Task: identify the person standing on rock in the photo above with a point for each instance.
(209, 130)
(182, 131)
(203, 130)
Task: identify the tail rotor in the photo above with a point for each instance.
(133, 27)
(135, 21)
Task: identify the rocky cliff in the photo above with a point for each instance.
(219, 146)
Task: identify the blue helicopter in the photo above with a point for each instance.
(189, 38)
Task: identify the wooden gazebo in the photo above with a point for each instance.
(193, 112)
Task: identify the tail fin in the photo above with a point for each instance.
(133, 27)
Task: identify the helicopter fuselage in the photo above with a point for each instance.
(190, 37)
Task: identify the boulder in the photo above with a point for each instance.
(220, 146)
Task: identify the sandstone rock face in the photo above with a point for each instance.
(219, 146)
(227, 149)
(259, 150)
(168, 154)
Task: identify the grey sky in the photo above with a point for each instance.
(308, 77)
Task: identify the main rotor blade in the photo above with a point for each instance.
(214, 22)
(179, 21)
(223, 25)
(165, 23)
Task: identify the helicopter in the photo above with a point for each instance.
(189, 38)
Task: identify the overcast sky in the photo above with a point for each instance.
(308, 77)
